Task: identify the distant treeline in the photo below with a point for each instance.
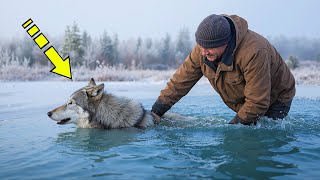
(138, 53)
(301, 47)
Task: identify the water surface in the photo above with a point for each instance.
(34, 147)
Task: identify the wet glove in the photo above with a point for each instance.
(237, 120)
(156, 117)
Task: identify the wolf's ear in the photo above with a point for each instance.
(92, 82)
(98, 91)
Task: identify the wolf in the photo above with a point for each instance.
(92, 107)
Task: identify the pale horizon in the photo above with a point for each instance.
(153, 19)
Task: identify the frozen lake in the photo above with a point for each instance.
(35, 147)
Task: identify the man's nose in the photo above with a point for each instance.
(204, 51)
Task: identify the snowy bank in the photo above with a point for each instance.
(308, 73)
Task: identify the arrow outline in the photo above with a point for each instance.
(28, 25)
(44, 38)
(61, 59)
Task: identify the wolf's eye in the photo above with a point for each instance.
(70, 102)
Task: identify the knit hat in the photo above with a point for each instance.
(214, 31)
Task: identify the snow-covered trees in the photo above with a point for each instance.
(107, 50)
(72, 45)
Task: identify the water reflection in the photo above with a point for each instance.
(206, 147)
(96, 140)
(253, 153)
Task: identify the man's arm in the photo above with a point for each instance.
(187, 75)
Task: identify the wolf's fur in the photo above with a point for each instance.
(91, 107)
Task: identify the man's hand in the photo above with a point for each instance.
(156, 117)
(235, 120)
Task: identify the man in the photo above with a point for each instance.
(241, 65)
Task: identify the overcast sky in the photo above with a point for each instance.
(155, 18)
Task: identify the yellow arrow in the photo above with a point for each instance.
(62, 67)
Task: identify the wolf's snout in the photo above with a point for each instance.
(49, 113)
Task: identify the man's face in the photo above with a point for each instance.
(213, 54)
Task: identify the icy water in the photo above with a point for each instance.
(34, 147)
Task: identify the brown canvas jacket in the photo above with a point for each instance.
(249, 80)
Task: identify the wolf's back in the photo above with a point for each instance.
(120, 112)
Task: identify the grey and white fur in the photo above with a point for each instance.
(92, 107)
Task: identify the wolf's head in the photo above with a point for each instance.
(80, 105)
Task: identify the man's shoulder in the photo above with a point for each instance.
(253, 43)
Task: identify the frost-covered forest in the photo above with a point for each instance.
(109, 58)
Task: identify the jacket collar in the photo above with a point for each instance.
(227, 59)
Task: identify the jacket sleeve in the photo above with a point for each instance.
(258, 86)
(187, 75)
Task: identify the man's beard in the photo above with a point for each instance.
(212, 57)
